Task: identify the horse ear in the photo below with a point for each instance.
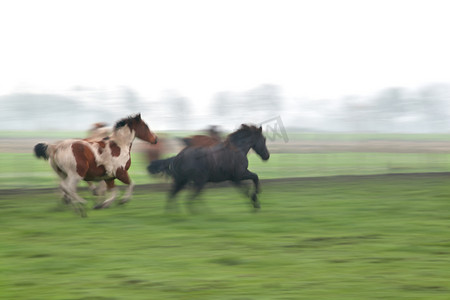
(138, 117)
(260, 129)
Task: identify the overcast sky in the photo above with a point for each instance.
(312, 49)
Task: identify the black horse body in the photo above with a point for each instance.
(224, 161)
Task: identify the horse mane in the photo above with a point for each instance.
(243, 132)
(127, 121)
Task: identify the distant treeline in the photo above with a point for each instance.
(397, 109)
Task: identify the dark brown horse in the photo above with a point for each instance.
(223, 161)
(96, 159)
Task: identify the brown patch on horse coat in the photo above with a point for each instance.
(128, 164)
(86, 165)
(101, 146)
(122, 175)
(115, 150)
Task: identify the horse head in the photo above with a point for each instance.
(143, 132)
(141, 129)
(250, 136)
(260, 144)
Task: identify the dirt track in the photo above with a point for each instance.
(162, 187)
(25, 145)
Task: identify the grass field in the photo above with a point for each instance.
(316, 237)
(367, 237)
(23, 170)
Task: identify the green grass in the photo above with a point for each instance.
(330, 238)
(23, 170)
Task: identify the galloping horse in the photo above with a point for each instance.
(200, 140)
(96, 159)
(98, 131)
(220, 162)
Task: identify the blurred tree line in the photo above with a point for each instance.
(395, 109)
(399, 109)
(254, 105)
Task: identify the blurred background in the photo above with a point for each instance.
(372, 66)
(343, 76)
(344, 87)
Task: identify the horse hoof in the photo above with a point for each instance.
(256, 205)
(255, 201)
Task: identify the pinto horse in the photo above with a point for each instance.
(98, 131)
(223, 161)
(96, 159)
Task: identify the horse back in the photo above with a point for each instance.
(203, 141)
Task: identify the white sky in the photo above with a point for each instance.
(312, 49)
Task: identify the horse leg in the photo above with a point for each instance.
(68, 186)
(101, 188)
(123, 176)
(177, 186)
(128, 193)
(245, 189)
(255, 179)
(98, 190)
(198, 186)
(111, 187)
(64, 197)
(92, 187)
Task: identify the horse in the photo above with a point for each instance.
(99, 130)
(221, 162)
(200, 140)
(96, 159)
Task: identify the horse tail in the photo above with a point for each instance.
(42, 150)
(161, 166)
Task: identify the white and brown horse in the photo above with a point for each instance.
(98, 131)
(96, 159)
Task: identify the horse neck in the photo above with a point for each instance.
(123, 136)
(242, 144)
